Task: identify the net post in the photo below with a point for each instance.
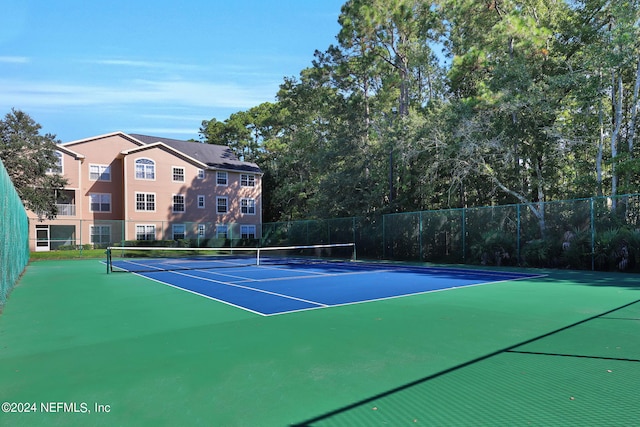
(108, 252)
(258, 256)
(354, 253)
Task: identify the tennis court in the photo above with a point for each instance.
(493, 348)
(279, 284)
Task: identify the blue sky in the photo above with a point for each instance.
(83, 68)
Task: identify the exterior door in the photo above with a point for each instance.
(43, 243)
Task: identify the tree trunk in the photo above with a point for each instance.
(617, 95)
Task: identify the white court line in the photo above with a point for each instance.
(409, 295)
(318, 273)
(309, 274)
(250, 288)
(214, 272)
(276, 279)
(317, 304)
(172, 265)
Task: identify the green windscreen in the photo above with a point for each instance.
(14, 236)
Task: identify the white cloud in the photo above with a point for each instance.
(165, 131)
(148, 92)
(172, 117)
(14, 59)
(144, 64)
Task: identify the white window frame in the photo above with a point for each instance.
(200, 173)
(247, 180)
(148, 169)
(145, 231)
(101, 233)
(219, 205)
(101, 201)
(103, 172)
(175, 229)
(202, 230)
(247, 231)
(248, 206)
(178, 172)
(222, 231)
(201, 201)
(145, 201)
(175, 203)
(222, 176)
(58, 169)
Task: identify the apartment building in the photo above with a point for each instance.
(130, 187)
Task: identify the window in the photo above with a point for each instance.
(145, 232)
(99, 173)
(57, 167)
(100, 202)
(202, 229)
(179, 232)
(221, 178)
(221, 204)
(200, 202)
(248, 231)
(145, 202)
(100, 235)
(221, 231)
(247, 180)
(145, 169)
(248, 206)
(178, 174)
(200, 173)
(178, 203)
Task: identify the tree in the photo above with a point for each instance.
(513, 75)
(29, 157)
(395, 32)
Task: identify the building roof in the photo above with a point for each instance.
(70, 152)
(215, 156)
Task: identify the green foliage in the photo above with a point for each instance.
(576, 250)
(496, 247)
(536, 253)
(617, 249)
(28, 157)
(518, 110)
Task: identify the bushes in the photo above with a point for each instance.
(495, 248)
(75, 247)
(617, 249)
(192, 243)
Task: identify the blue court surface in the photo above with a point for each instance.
(269, 290)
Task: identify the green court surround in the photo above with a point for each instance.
(546, 351)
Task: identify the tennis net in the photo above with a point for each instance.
(135, 259)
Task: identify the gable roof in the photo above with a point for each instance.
(164, 147)
(107, 135)
(63, 149)
(214, 156)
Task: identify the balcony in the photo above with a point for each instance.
(66, 209)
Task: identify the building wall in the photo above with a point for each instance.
(122, 216)
(103, 151)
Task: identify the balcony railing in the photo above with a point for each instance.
(66, 210)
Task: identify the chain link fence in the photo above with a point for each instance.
(597, 233)
(14, 236)
(601, 233)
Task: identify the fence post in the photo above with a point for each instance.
(593, 234)
(464, 235)
(384, 238)
(518, 235)
(353, 228)
(420, 236)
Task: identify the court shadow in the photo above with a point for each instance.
(369, 404)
